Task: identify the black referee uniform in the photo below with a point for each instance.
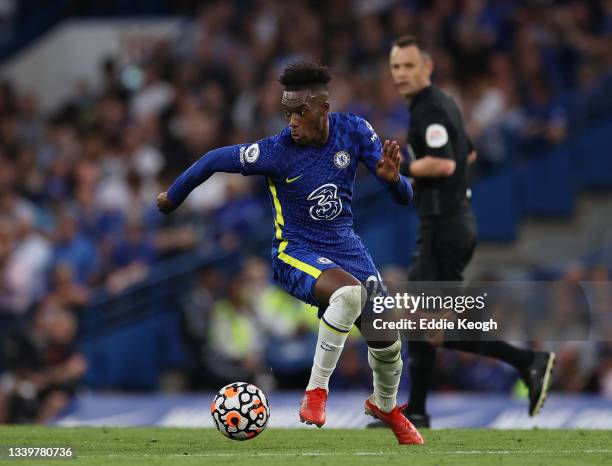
(447, 233)
(446, 240)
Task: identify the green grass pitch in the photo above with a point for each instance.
(170, 446)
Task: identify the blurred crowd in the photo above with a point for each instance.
(77, 186)
(241, 326)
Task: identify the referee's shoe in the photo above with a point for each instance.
(537, 377)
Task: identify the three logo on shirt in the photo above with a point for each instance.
(328, 204)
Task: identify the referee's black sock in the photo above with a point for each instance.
(520, 358)
(421, 357)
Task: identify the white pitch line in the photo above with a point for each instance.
(361, 453)
(514, 452)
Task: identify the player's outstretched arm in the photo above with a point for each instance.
(218, 160)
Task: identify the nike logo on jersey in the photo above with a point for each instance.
(291, 180)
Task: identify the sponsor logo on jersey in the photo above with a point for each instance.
(328, 205)
(436, 136)
(342, 159)
(291, 180)
(324, 260)
(251, 154)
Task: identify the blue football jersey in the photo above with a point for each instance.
(311, 188)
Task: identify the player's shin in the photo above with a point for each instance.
(342, 312)
(386, 365)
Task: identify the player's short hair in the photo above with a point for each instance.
(305, 75)
(412, 39)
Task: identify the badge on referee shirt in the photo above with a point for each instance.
(436, 136)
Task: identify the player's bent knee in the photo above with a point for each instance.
(345, 306)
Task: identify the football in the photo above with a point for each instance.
(240, 411)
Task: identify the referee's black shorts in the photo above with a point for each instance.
(445, 246)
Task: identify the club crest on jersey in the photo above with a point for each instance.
(324, 260)
(250, 154)
(342, 159)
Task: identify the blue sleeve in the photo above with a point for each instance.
(401, 190)
(249, 159)
(218, 160)
(259, 158)
(370, 151)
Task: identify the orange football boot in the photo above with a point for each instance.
(312, 407)
(403, 429)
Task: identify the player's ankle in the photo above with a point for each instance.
(386, 405)
(312, 386)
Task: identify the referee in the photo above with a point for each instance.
(439, 154)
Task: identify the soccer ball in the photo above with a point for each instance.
(240, 411)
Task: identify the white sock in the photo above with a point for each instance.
(344, 308)
(329, 348)
(386, 365)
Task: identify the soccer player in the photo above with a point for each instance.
(316, 256)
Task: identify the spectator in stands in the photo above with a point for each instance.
(197, 309)
(287, 325)
(131, 258)
(71, 247)
(65, 291)
(28, 253)
(235, 342)
(12, 298)
(44, 368)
